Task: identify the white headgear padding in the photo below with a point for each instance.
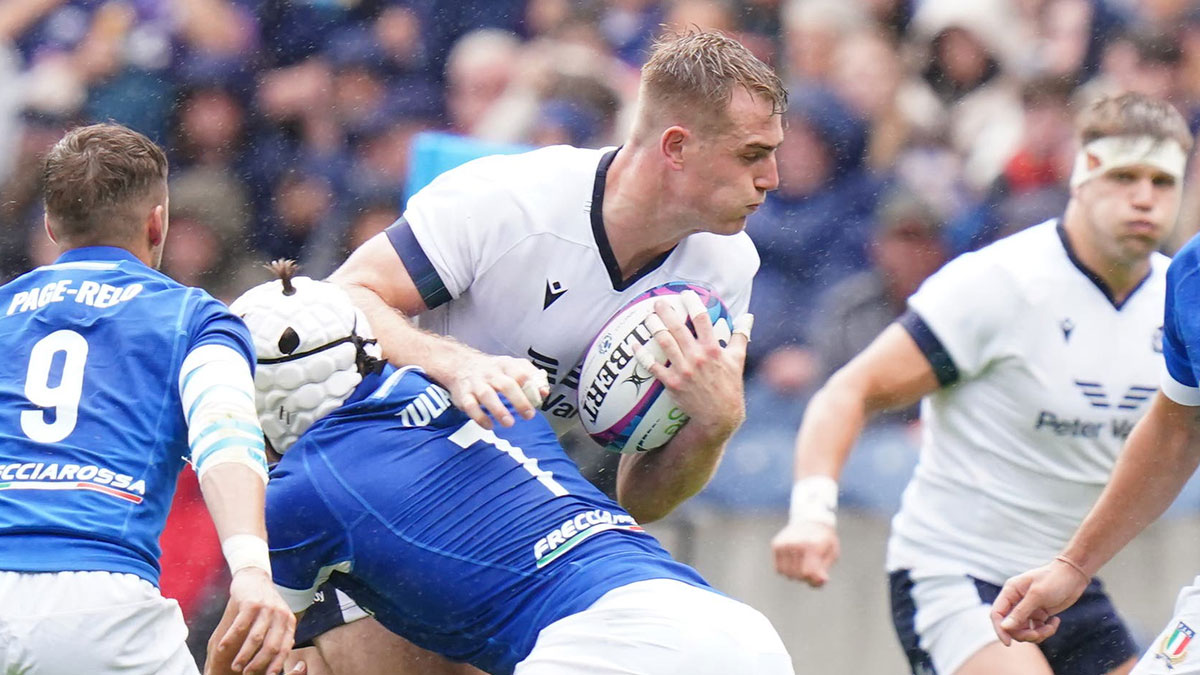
(312, 345)
(1112, 152)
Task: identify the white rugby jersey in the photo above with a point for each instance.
(1043, 378)
(512, 259)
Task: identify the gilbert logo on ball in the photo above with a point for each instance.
(621, 405)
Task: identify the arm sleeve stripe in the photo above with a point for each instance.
(931, 347)
(230, 425)
(257, 451)
(426, 278)
(217, 432)
(224, 421)
(187, 377)
(204, 394)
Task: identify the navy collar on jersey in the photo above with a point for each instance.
(601, 235)
(105, 253)
(1092, 276)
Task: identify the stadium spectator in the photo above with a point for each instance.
(970, 90)
(868, 75)
(812, 30)
(813, 231)
(1033, 185)
(479, 69)
(907, 246)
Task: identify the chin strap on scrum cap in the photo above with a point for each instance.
(365, 363)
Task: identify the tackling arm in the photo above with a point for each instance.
(891, 372)
(380, 285)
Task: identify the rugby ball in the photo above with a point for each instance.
(621, 405)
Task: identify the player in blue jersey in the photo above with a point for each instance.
(112, 375)
(485, 546)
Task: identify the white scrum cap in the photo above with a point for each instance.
(312, 345)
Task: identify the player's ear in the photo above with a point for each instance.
(671, 143)
(156, 225)
(49, 230)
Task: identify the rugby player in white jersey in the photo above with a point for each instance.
(513, 261)
(1162, 453)
(1035, 357)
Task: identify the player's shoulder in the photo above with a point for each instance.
(158, 282)
(1036, 245)
(1014, 267)
(548, 189)
(555, 163)
(1029, 258)
(1186, 263)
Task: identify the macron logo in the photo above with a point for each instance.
(554, 291)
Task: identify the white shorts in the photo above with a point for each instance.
(942, 622)
(89, 622)
(659, 627)
(1176, 650)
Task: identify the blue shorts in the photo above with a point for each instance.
(1091, 640)
(330, 609)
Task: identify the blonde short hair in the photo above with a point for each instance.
(691, 76)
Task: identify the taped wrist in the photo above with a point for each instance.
(246, 550)
(814, 500)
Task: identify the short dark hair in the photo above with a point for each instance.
(96, 180)
(1133, 114)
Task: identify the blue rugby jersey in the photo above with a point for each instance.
(464, 541)
(92, 432)
(1181, 327)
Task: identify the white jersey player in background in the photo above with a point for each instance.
(1036, 356)
(517, 260)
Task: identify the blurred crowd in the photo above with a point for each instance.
(917, 129)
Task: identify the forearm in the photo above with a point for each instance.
(402, 342)
(235, 496)
(890, 373)
(1159, 457)
(833, 421)
(651, 484)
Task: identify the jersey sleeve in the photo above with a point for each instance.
(1181, 330)
(449, 226)
(737, 300)
(958, 317)
(211, 322)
